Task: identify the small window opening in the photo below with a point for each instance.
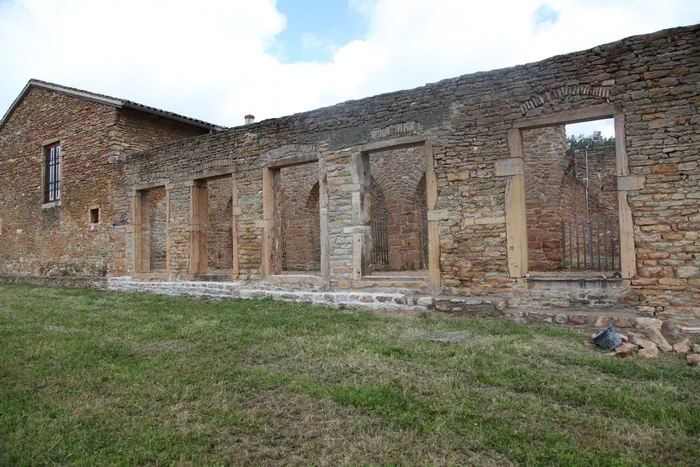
(95, 216)
(52, 173)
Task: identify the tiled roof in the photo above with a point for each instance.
(107, 100)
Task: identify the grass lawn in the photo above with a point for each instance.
(92, 377)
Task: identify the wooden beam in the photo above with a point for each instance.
(390, 144)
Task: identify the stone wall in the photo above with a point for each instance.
(602, 180)
(650, 81)
(58, 239)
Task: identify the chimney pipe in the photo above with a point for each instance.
(249, 119)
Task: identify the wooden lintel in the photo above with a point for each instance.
(149, 185)
(292, 161)
(390, 144)
(594, 112)
(212, 173)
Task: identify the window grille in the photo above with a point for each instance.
(52, 164)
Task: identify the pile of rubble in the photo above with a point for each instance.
(646, 340)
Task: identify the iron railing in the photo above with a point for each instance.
(591, 245)
(380, 244)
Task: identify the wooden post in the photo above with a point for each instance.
(362, 238)
(271, 258)
(198, 237)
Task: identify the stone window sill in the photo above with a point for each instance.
(53, 204)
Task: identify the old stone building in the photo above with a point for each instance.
(452, 195)
(59, 149)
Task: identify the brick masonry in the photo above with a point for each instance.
(59, 240)
(650, 80)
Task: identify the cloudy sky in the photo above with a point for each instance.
(219, 59)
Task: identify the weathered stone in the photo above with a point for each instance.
(626, 350)
(693, 359)
(578, 319)
(445, 139)
(561, 319)
(424, 301)
(643, 343)
(688, 271)
(683, 346)
(449, 337)
(624, 321)
(649, 323)
(649, 352)
(657, 338)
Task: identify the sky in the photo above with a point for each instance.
(218, 60)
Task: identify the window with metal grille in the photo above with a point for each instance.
(52, 173)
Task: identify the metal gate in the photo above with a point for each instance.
(591, 245)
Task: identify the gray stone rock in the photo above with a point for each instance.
(657, 338)
(682, 346)
(649, 323)
(693, 359)
(643, 343)
(650, 352)
(449, 337)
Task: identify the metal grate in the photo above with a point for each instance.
(380, 244)
(53, 173)
(591, 245)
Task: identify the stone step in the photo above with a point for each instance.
(216, 277)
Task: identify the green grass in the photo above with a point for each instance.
(88, 377)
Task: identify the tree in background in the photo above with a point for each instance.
(590, 141)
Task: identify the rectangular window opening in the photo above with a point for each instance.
(95, 215)
(52, 173)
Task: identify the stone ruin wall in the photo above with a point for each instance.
(651, 78)
(602, 183)
(59, 240)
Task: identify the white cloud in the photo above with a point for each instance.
(208, 59)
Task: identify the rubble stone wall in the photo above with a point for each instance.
(651, 80)
(58, 239)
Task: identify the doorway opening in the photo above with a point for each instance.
(151, 230)
(398, 212)
(571, 199)
(213, 234)
(292, 204)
